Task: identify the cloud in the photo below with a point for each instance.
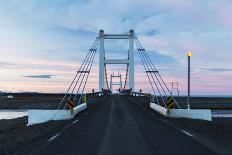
(153, 32)
(159, 58)
(214, 69)
(4, 64)
(63, 31)
(44, 76)
(74, 31)
(50, 51)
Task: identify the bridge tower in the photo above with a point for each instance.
(103, 61)
(118, 83)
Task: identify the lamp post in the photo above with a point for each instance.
(189, 54)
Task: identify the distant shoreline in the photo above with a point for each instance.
(37, 93)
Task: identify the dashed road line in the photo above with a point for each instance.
(58, 134)
(151, 114)
(53, 137)
(187, 133)
(183, 131)
(74, 122)
(163, 120)
(65, 128)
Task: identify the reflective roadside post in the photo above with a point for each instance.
(189, 54)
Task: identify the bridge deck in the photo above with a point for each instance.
(119, 126)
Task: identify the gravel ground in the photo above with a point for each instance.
(15, 134)
(217, 132)
(51, 101)
(214, 103)
(31, 101)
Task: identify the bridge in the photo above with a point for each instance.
(128, 122)
(76, 89)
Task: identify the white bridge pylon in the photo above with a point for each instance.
(103, 61)
(118, 83)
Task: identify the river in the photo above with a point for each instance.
(12, 113)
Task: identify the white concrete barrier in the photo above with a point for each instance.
(40, 115)
(159, 109)
(203, 114)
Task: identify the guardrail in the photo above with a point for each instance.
(98, 94)
(140, 94)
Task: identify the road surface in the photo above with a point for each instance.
(119, 126)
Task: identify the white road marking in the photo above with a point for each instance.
(185, 132)
(163, 120)
(189, 134)
(75, 121)
(53, 137)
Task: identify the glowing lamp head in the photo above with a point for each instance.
(189, 53)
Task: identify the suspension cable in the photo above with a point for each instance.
(106, 78)
(79, 73)
(149, 62)
(86, 58)
(83, 77)
(86, 79)
(86, 71)
(83, 69)
(149, 78)
(147, 69)
(150, 74)
(127, 68)
(152, 69)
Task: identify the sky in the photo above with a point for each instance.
(43, 42)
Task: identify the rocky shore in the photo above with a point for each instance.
(51, 101)
(15, 133)
(216, 133)
(214, 103)
(30, 101)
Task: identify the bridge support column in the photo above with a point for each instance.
(101, 60)
(131, 60)
(111, 83)
(120, 82)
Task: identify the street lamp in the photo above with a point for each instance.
(189, 54)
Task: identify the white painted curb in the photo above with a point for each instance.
(159, 109)
(40, 116)
(203, 114)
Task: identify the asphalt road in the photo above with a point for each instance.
(120, 126)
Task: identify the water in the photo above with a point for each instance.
(15, 113)
(221, 113)
(220, 96)
(12, 113)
